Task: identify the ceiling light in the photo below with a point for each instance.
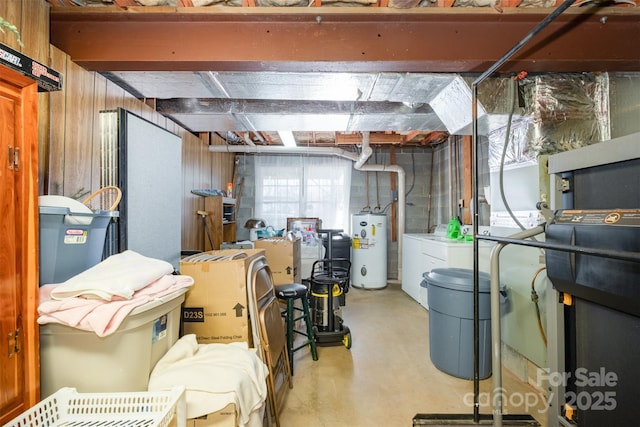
(287, 138)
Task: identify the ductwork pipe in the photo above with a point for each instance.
(366, 152)
(358, 164)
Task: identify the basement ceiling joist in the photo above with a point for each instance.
(430, 40)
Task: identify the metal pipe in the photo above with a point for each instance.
(430, 191)
(585, 250)
(497, 417)
(496, 355)
(450, 177)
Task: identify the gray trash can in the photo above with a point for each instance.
(450, 292)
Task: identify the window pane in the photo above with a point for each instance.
(292, 186)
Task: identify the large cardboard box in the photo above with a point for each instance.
(216, 306)
(283, 257)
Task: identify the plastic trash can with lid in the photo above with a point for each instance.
(450, 293)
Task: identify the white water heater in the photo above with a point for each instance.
(369, 251)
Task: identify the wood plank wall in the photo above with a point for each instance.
(69, 124)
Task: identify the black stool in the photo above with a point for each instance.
(291, 292)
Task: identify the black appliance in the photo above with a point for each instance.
(602, 321)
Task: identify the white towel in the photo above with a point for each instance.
(214, 376)
(119, 275)
(100, 316)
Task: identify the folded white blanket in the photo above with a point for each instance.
(105, 317)
(119, 275)
(214, 376)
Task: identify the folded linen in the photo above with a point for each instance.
(214, 376)
(119, 275)
(100, 316)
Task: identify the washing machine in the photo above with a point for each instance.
(369, 250)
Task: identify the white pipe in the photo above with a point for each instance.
(279, 149)
(247, 139)
(365, 154)
(358, 160)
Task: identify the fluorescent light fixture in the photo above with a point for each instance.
(287, 138)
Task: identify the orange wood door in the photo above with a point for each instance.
(19, 374)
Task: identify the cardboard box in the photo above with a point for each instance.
(225, 417)
(216, 306)
(283, 257)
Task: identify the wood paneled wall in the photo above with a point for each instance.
(69, 123)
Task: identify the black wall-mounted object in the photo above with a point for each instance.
(48, 80)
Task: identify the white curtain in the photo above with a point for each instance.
(303, 187)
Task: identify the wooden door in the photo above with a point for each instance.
(19, 362)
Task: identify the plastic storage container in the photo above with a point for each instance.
(67, 407)
(450, 293)
(70, 242)
(122, 361)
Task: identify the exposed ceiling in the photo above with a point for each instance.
(325, 73)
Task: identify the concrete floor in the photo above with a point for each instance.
(386, 378)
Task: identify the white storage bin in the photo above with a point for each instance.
(122, 361)
(137, 409)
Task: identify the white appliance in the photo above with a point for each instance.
(369, 251)
(421, 253)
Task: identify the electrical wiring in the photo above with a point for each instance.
(413, 174)
(507, 140)
(534, 298)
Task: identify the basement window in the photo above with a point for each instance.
(296, 186)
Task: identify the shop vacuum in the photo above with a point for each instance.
(329, 281)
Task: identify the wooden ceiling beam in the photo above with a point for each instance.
(436, 136)
(409, 136)
(374, 138)
(432, 39)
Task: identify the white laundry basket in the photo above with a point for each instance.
(140, 409)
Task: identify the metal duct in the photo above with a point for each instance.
(554, 113)
(248, 101)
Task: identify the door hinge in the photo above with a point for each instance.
(14, 158)
(14, 342)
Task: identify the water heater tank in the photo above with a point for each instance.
(369, 251)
